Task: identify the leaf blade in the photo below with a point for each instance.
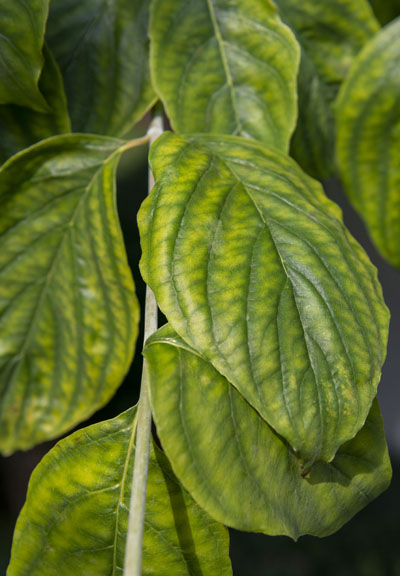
(76, 512)
(252, 266)
(69, 314)
(368, 109)
(194, 407)
(235, 60)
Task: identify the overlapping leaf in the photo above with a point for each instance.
(101, 47)
(225, 66)
(21, 127)
(22, 26)
(330, 34)
(250, 479)
(68, 312)
(253, 267)
(369, 139)
(386, 10)
(76, 514)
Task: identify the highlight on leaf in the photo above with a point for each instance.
(368, 140)
(76, 512)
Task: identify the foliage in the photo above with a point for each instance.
(263, 383)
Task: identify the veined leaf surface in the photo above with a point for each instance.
(225, 66)
(76, 514)
(22, 26)
(250, 479)
(253, 267)
(68, 311)
(368, 139)
(102, 49)
(21, 127)
(330, 34)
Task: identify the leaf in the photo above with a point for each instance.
(330, 34)
(22, 26)
(250, 479)
(101, 47)
(76, 513)
(386, 10)
(254, 269)
(22, 127)
(68, 311)
(368, 142)
(225, 66)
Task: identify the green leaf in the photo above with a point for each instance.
(76, 514)
(253, 267)
(330, 34)
(237, 468)
(22, 26)
(225, 66)
(22, 127)
(102, 49)
(68, 311)
(368, 139)
(386, 10)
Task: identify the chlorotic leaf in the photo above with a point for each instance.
(68, 311)
(22, 26)
(330, 35)
(386, 10)
(76, 514)
(253, 267)
(102, 49)
(21, 127)
(250, 479)
(368, 140)
(225, 66)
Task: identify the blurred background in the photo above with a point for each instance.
(366, 546)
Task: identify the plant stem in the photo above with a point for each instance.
(134, 539)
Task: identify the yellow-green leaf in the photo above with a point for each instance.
(102, 49)
(253, 267)
(237, 468)
(21, 127)
(22, 26)
(68, 311)
(75, 518)
(330, 35)
(368, 140)
(225, 66)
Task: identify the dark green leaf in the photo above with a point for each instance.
(369, 139)
(21, 127)
(101, 47)
(237, 468)
(225, 66)
(253, 267)
(76, 514)
(22, 25)
(68, 312)
(330, 34)
(386, 10)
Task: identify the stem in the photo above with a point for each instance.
(134, 539)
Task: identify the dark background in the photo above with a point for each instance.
(367, 546)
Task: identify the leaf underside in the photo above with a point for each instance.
(250, 479)
(225, 66)
(76, 513)
(253, 267)
(68, 311)
(368, 140)
(330, 35)
(102, 49)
